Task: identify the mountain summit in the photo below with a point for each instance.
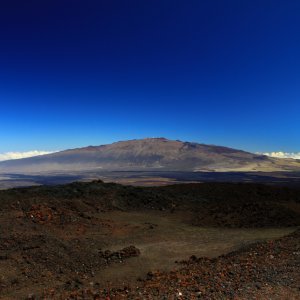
(151, 154)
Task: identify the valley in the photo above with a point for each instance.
(147, 178)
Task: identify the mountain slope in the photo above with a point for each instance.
(150, 154)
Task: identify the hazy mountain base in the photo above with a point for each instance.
(147, 178)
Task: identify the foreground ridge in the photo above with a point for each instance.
(95, 240)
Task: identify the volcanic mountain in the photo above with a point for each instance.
(151, 154)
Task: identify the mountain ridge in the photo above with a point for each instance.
(151, 154)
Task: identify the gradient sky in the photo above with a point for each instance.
(76, 73)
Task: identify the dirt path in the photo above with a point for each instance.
(164, 238)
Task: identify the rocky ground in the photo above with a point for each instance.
(54, 241)
(269, 270)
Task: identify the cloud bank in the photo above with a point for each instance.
(280, 154)
(18, 155)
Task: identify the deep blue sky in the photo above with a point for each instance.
(75, 73)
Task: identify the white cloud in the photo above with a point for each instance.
(280, 154)
(18, 155)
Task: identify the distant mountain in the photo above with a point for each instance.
(150, 154)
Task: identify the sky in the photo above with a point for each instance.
(76, 73)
